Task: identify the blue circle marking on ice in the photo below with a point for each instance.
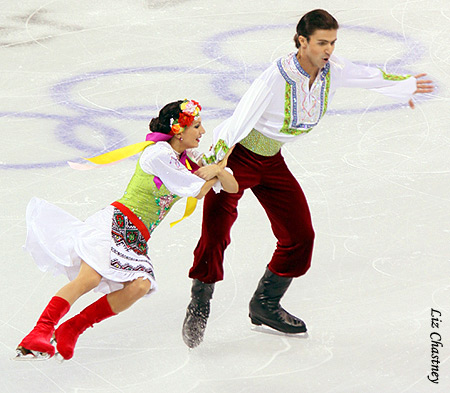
(63, 93)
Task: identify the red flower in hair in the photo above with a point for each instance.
(196, 103)
(185, 120)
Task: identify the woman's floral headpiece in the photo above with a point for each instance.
(190, 111)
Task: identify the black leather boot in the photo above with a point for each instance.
(197, 313)
(265, 306)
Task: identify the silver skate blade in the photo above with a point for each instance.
(268, 330)
(58, 357)
(23, 354)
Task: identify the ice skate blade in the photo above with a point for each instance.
(59, 358)
(23, 354)
(268, 330)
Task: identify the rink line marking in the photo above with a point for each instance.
(46, 376)
(37, 287)
(31, 16)
(287, 348)
(230, 305)
(169, 373)
(422, 378)
(90, 112)
(283, 373)
(444, 288)
(98, 376)
(404, 11)
(444, 15)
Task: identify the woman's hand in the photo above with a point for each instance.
(423, 86)
(208, 172)
(224, 162)
(212, 173)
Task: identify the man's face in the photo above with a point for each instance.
(319, 48)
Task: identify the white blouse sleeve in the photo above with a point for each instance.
(247, 113)
(160, 160)
(348, 74)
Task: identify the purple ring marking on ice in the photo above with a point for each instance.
(221, 82)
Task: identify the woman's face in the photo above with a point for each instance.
(191, 135)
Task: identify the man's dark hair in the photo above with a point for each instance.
(312, 21)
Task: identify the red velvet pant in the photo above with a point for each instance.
(284, 202)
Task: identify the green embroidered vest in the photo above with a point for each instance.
(144, 199)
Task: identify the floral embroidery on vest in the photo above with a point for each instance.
(164, 203)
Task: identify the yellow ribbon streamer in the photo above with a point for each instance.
(120, 154)
(131, 150)
(191, 204)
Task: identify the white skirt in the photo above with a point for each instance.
(58, 242)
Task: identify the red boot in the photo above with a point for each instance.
(39, 338)
(67, 334)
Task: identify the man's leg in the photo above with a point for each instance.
(219, 214)
(287, 209)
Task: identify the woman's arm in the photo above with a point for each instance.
(213, 173)
(206, 187)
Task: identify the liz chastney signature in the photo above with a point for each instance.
(436, 345)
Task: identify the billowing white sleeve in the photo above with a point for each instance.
(161, 161)
(348, 74)
(247, 113)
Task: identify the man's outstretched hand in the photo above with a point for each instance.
(423, 86)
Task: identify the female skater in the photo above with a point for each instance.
(108, 252)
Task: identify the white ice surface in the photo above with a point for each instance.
(80, 76)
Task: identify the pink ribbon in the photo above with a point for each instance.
(160, 137)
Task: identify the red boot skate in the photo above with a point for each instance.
(67, 334)
(36, 345)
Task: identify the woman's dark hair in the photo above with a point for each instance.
(312, 21)
(162, 122)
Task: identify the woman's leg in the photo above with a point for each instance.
(38, 340)
(131, 292)
(86, 280)
(109, 305)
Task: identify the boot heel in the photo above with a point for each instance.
(255, 321)
(265, 308)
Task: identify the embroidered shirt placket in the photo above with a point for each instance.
(304, 106)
